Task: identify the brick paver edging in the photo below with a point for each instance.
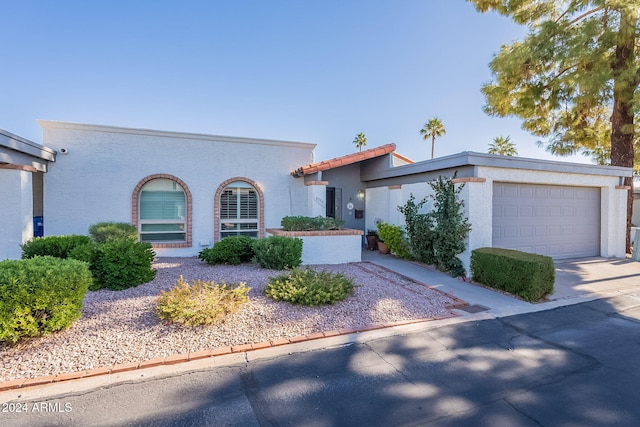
(203, 354)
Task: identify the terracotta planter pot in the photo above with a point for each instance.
(382, 248)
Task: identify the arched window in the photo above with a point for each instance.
(162, 212)
(239, 210)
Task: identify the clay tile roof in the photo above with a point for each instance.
(344, 160)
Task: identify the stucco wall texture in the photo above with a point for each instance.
(95, 179)
(477, 195)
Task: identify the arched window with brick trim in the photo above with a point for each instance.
(239, 209)
(162, 211)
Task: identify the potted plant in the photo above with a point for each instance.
(382, 247)
(393, 237)
(372, 240)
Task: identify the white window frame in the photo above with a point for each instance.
(251, 232)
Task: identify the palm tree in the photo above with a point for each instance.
(503, 147)
(434, 129)
(360, 141)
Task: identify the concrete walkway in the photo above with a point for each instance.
(577, 281)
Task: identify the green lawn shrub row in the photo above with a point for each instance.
(309, 287)
(40, 295)
(115, 258)
(201, 303)
(274, 252)
(308, 223)
(530, 276)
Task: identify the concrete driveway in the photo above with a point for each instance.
(595, 278)
(577, 280)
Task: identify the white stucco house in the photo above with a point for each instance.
(186, 191)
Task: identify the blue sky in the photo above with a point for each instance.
(309, 71)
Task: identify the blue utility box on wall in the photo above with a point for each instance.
(38, 226)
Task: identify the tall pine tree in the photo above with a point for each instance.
(574, 79)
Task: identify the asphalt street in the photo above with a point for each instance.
(576, 365)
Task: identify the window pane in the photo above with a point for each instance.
(239, 210)
(229, 204)
(162, 227)
(163, 237)
(239, 226)
(162, 205)
(162, 200)
(224, 234)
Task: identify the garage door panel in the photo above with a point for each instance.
(559, 221)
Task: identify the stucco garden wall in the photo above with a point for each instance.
(327, 247)
(95, 179)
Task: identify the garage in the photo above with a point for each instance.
(558, 221)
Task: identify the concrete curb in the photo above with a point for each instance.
(204, 354)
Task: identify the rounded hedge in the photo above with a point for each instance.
(40, 295)
(230, 250)
(56, 246)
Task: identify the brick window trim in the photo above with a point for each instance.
(134, 208)
(216, 206)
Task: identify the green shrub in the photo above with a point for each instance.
(278, 252)
(55, 246)
(420, 230)
(451, 225)
(104, 231)
(230, 250)
(40, 295)
(393, 236)
(119, 263)
(530, 276)
(309, 287)
(308, 223)
(202, 303)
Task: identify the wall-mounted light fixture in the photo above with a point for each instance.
(360, 194)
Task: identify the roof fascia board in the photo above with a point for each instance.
(490, 160)
(50, 124)
(24, 146)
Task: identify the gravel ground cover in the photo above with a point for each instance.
(121, 327)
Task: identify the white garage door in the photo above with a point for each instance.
(558, 221)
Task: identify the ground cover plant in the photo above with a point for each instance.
(200, 303)
(309, 287)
